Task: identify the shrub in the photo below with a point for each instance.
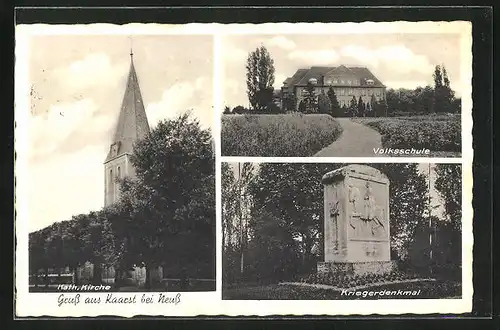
(436, 133)
(342, 280)
(285, 135)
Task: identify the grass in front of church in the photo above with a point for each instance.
(440, 133)
(280, 135)
(438, 289)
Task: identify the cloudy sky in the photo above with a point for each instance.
(77, 87)
(398, 60)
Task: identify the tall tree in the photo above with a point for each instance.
(361, 107)
(244, 178)
(439, 91)
(173, 197)
(448, 94)
(260, 78)
(449, 240)
(272, 251)
(292, 194)
(408, 202)
(353, 106)
(336, 110)
(290, 197)
(449, 185)
(310, 98)
(229, 194)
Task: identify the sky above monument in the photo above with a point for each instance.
(398, 60)
(77, 86)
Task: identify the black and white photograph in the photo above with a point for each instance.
(343, 95)
(121, 164)
(323, 231)
(243, 170)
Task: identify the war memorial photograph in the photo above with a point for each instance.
(342, 95)
(315, 231)
(121, 134)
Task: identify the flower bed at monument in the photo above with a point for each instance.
(436, 133)
(349, 281)
(285, 135)
(426, 290)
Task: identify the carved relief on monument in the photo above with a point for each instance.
(334, 212)
(367, 216)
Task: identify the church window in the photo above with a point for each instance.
(119, 174)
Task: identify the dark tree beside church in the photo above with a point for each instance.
(173, 197)
(289, 102)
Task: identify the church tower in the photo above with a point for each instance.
(132, 125)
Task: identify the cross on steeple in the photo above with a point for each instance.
(131, 52)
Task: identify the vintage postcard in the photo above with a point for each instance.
(243, 170)
(116, 166)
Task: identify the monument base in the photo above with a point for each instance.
(356, 268)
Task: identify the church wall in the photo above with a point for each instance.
(119, 167)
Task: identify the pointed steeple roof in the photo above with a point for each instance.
(132, 122)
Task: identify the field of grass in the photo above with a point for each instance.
(441, 134)
(428, 290)
(283, 135)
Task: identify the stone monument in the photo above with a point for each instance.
(356, 229)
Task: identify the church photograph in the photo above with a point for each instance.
(119, 163)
